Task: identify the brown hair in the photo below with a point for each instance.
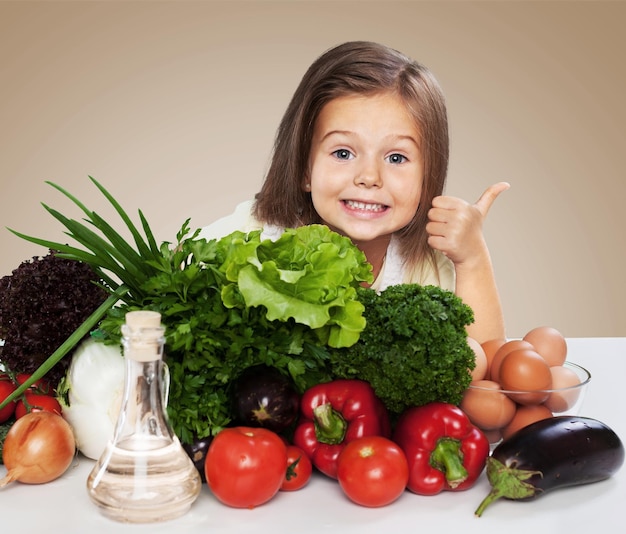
(356, 68)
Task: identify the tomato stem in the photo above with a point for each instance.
(291, 468)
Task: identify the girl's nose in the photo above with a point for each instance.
(368, 175)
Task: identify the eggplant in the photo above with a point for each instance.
(549, 454)
(264, 397)
(197, 451)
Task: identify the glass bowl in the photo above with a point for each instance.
(499, 413)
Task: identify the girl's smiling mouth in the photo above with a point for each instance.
(364, 206)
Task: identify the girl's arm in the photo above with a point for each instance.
(455, 229)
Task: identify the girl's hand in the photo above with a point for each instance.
(455, 226)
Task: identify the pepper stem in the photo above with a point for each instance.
(330, 426)
(448, 458)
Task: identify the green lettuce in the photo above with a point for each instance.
(309, 274)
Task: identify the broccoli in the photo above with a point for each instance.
(413, 349)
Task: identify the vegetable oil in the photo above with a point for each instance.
(144, 475)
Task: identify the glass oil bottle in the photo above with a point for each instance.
(144, 475)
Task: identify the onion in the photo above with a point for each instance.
(38, 448)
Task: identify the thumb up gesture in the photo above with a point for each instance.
(455, 226)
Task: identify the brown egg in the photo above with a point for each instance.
(563, 377)
(490, 347)
(509, 346)
(480, 370)
(524, 416)
(486, 406)
(549, 343)
(523, 370)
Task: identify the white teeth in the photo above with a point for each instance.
(363, 206)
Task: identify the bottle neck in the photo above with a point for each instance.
(144, 344)
(143, 416)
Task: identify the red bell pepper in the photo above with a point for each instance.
(335, 413)
(444, 449)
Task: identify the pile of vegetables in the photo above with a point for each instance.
(242, 301)
(295, 304)
(277, 355)
(344, 432)
(434, 448)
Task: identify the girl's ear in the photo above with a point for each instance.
(306, 183)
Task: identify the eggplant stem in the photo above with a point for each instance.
(507, 482)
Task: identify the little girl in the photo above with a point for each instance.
(363, 149)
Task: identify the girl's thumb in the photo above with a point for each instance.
(489, 195)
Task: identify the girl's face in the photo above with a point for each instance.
(366, 167)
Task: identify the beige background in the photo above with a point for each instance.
(173, 107)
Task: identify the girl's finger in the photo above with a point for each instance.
(487, 198)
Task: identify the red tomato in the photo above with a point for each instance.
(245, 466)
(36, 403)
(299, 469)
(372, 471)
(6, 388)
(42, 386)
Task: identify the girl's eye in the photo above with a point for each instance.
(396, 158)
(342, 153)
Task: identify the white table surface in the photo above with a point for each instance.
(63, 505)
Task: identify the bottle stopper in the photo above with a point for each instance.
(145, 335)
(143, 319)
